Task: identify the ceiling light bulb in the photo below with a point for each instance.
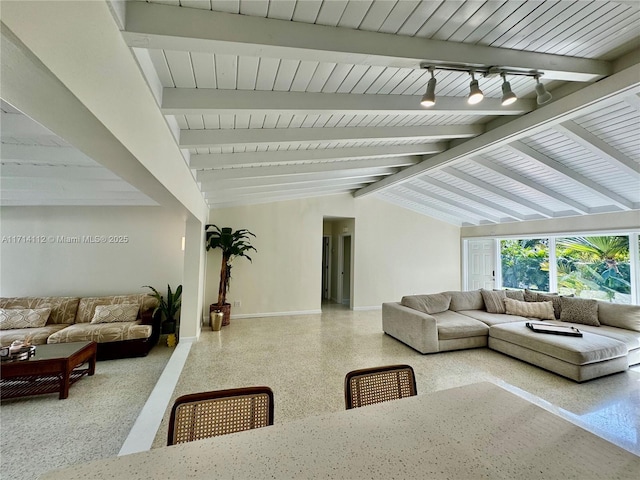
(543, 95)
(508, 97)
(429, 98)
(475, 94)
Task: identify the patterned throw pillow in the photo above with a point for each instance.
(494, 300)
(579, 310)
(542, 310)
(12, 318)
(123, 312)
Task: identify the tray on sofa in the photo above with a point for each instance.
(554, 329)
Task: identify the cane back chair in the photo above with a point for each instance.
(378, 384)
(209, 414)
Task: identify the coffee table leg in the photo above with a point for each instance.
(65, 383)
(92, 365)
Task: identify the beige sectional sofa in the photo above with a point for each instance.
(457, 320)
(74, 319)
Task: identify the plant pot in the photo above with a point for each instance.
(216, 320)
(226, 312)
(168, 327)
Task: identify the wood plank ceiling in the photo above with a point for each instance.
(282, 99)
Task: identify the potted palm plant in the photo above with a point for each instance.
(233, 244)
(169, 309)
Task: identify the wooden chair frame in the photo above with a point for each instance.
(240, 412)
(394, 382)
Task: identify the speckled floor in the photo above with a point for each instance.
(304, 360)
(41, 433)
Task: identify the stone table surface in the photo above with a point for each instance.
(474, 431)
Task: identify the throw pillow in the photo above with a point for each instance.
(542, 310)
(529, 295)
(579, 310)
(435, 303)
(11, 318)
(515, 294)
(555, 299)
(494, 300)
(124, 312)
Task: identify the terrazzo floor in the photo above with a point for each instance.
(304, 360)
(41, 433)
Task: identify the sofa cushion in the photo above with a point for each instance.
(628, 337)
(126, 312)
(542, 310)
(36, 336)
(471, 300)
(492, 318)
(11, 318)
(453, 325)
(434, 303)
(63, 309)
(87, 305)
(618, 315)
(494, 300)
(101, 332)
(590, 348)
(579, 310)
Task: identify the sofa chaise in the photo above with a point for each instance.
(455, 320)
(122, 325)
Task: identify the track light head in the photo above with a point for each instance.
(429, 97)
(475, 94)
(508, 97)
(543, 95)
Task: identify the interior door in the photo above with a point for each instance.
(481, 264)
(326, 267)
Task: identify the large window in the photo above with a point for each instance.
(525, 263)
(603, 267)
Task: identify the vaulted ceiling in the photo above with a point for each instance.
(282, 99)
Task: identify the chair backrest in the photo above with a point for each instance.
(209, 414)
(378, 384)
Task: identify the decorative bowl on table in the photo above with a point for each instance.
(17, 352)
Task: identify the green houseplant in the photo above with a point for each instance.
(233, 244)
(169, 309)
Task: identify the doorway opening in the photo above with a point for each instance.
(337, 262)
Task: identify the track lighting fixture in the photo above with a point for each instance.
(429, 97)
(543, 95)
(508, 97)
(475, 94)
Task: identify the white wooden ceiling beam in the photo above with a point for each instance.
(184, 29)
(602, 149)
(219, 160)
(474, 198)
(204, 101)
(605, 92)
(266, 188)
(284, 170)
(497, 191)
(10, 170)
(537, 188)
(570, 175)
(425, 207)
(276, 191)
(449, 201)
(251, 136)
(270, 199)
(298, 178)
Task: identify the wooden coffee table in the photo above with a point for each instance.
(53, 368)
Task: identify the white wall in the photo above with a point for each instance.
(396, 252)
(152, 254)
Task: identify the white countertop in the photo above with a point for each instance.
(475, 431)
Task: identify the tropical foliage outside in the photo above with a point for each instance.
(589, 267)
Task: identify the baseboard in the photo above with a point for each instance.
(364, 309)
(188, 339)
(277, 314)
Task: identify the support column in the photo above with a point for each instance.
(193, 280)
